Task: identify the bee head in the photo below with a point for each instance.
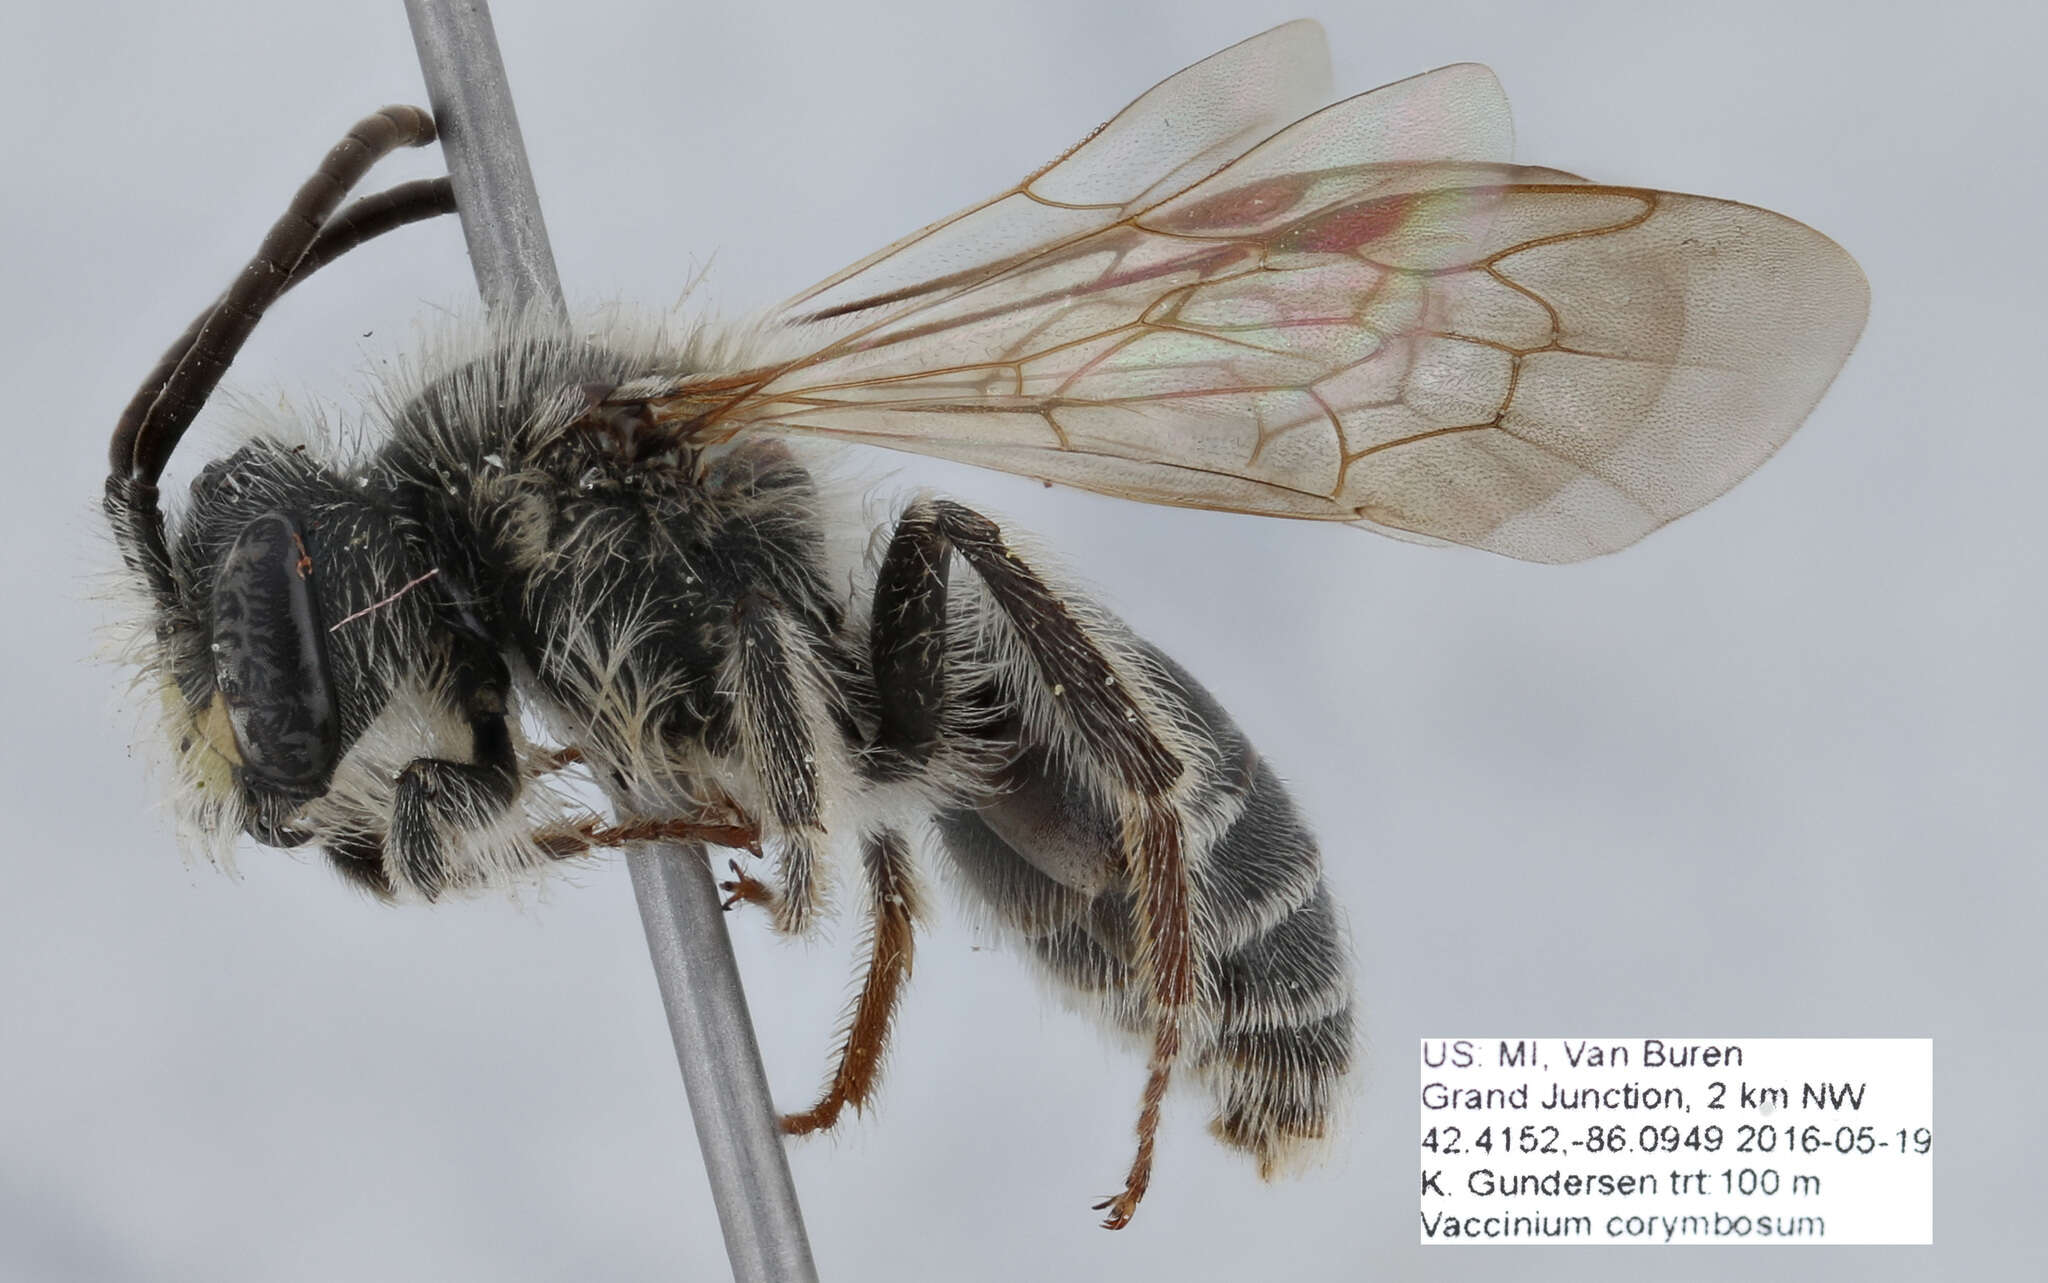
(254, 591)
(240, 634)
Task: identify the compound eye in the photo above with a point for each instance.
(270, 658)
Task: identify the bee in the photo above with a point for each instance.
(1230, 296)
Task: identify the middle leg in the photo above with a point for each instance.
(893, 907)
(786, 735)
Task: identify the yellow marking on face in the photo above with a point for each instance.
(206, 748)
(219, 729)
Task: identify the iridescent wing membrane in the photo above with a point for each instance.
(1367, 315)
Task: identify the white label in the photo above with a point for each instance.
(1677, 1140)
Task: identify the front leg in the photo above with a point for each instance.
(439, 800)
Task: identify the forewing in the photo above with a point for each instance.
(1177, 133)
(1342, 325)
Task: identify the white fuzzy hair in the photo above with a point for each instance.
(485, 461)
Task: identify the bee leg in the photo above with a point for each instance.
(907, 646)
(779, 717)
(1167, 964)
(360, 859)
(893, 907)
(561, 759)
(744, 888)
(1092, 703)
(436, 796)
(727, 828)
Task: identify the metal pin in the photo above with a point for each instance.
(737, 1126)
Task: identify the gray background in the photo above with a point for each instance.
(1773, 772)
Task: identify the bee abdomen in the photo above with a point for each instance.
(1272, 1034)
(1278, 977)
(1284, 1035)
(1277, 1089)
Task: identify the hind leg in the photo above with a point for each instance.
(1096, 700)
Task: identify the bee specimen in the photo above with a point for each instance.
(1228, 297)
